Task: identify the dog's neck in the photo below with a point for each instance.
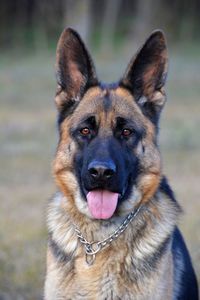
(155, 220)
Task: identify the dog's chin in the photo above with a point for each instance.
(130, 203)
(81, 205)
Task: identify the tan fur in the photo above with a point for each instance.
(63, 169)
(116, 271)
(112, 270)
(134, 266)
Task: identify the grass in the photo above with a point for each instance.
(28, 140)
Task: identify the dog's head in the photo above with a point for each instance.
(107, 160)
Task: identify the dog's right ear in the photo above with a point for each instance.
(75, 71)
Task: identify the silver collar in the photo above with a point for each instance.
(92, 248)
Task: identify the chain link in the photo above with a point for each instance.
(92, 248)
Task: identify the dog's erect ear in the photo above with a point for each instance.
(75, 71)
(146, 75)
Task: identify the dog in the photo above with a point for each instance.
(113, 222)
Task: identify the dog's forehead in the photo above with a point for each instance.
(114, 102)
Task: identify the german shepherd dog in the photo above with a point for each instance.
(113, 224)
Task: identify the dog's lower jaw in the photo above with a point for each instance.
(131, 203)
(81, 205)
(124, 207)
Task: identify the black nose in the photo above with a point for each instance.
(101, 170)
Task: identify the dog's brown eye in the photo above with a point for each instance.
(126, 132)
(85, 131)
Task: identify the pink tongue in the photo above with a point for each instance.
(102, 203)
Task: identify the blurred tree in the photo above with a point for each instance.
(143, 19)
(78, 16)
(109, 23)
(37, 24)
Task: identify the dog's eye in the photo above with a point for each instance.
(85, 131)
(126, 132)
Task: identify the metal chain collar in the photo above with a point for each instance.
(92, 248)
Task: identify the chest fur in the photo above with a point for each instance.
(114, 275)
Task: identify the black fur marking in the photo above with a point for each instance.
(59, 254)
(151, 111)
(108, 86)
(138, 130)
(107, 103)
(89, 121)
(151, 261)
(104, 150)
(149, 264)
(67, 110)
(166, 189)
(185, 282)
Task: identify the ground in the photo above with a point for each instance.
(28, 141)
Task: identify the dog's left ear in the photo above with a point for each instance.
(146, 75)
(75, 71)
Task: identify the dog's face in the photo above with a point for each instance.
(107, 160)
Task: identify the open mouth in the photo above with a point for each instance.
(103, 200)
(102, 203)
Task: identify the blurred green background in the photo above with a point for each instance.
(113, 30)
